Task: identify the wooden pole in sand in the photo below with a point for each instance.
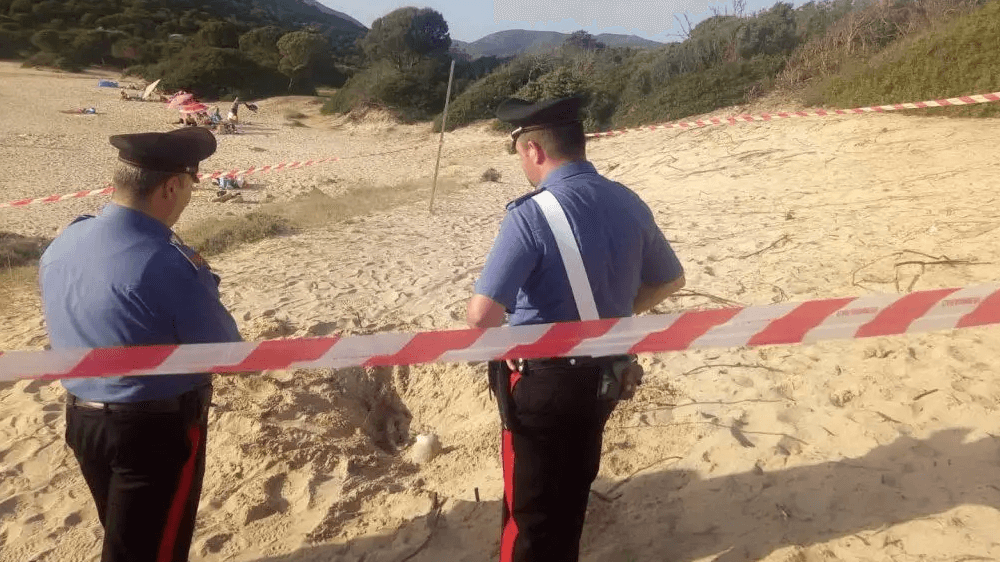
(444, 123)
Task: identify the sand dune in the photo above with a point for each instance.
(878, 449)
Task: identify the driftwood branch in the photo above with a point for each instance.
(712, 298)
(933, 260)
(784, 238)
(732, 366)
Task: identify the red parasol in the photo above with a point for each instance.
(193, 108)
(179, 99)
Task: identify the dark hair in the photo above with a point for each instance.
(139, 182)
(563, 142)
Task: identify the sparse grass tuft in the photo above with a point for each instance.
(310, 210)
(14, 279)
(490, 175)
(215, 236)
(17, 250)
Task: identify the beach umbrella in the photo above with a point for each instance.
(193, 108)
(149, 90)
(179, 99)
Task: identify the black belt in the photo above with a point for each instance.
(563, 362)
(165, 406)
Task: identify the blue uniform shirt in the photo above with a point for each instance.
(619, 241)
(122, 278)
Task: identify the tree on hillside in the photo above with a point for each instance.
(301, 53)
(583, 41)
(261, 45)
(771, 33)
(47, 40)
(90, 47)
(406, 35)
(222, 34)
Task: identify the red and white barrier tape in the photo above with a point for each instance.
(785, 323)
(964, 100)
(211, 175)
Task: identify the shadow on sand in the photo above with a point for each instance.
(676, 516)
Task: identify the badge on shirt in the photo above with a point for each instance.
(193, 257)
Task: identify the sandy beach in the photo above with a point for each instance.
(868, 450)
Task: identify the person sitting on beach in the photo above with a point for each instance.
(234, 111)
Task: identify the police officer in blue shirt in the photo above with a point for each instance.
(123, 278)
(580, 247)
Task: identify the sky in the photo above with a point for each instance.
(469, 20)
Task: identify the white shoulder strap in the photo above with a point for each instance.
(570, 253)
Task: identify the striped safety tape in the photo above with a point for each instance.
(964, 100)
(777, 324)
(210, 175)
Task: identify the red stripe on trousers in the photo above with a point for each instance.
(177, 506)
(509, 534)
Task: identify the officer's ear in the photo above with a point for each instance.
(536, 154)
(170, 188)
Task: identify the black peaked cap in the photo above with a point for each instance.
(522, 113)
(178, 151)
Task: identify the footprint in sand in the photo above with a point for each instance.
(215, 543)
(272, 503)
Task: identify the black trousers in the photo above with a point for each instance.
(144, 470)
(551, 453)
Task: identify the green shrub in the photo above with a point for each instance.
(17, 250)
(957, 59)
(12, 42)
(417, 92)
(771, 33)
(41, 59)
(90, 47)
(211, 73)
(699, 92)
(47, 40)
(481, 99)
(215, 236)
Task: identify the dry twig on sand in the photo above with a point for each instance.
(784, 238)
(933, 260)
(732, 366)
(713, 298)
(433, 515)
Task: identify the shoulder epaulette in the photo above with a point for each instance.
(82, 218)
(192, 257)
(522, 199)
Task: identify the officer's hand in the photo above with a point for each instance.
(513, 367)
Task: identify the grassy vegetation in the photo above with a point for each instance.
(17, 250)
(949, 60)
(215, 236)
(314, 209)
(840, 53)
(15, 279)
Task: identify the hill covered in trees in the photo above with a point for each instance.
(514, 42)
(832, 52)
(213, 47)
(839, 53)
